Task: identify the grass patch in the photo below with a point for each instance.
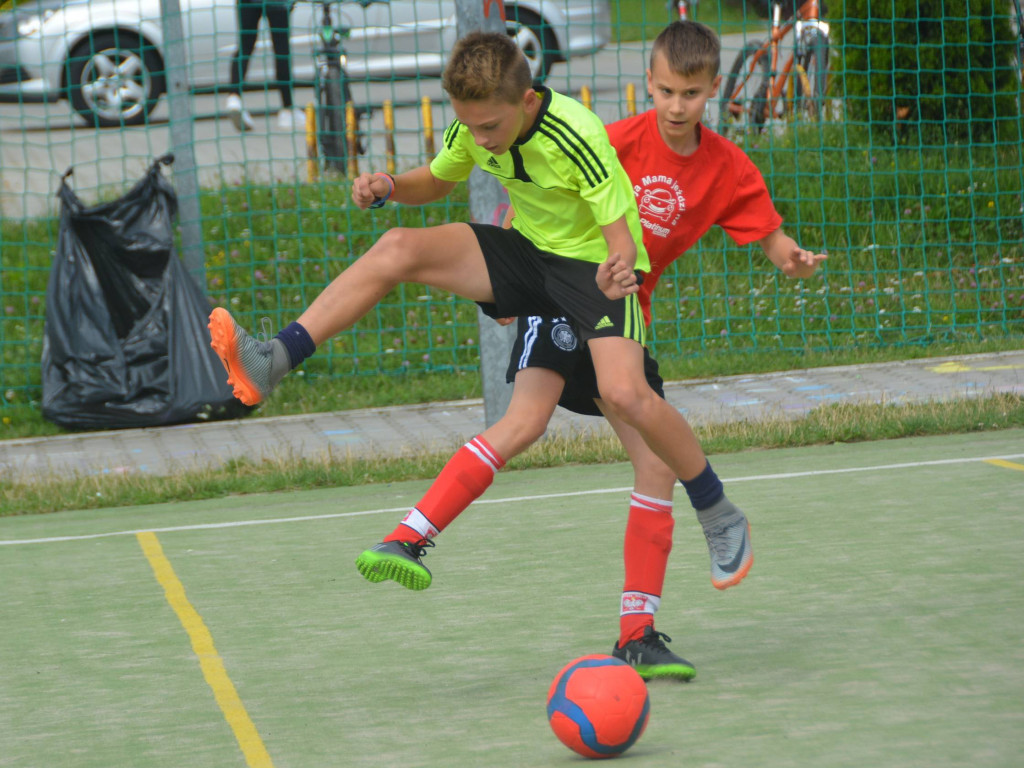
(830, 424)
(643, 19)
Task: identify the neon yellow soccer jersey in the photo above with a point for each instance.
(563, 178)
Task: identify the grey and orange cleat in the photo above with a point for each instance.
(728, 534)
(254, 367)
(652, 659)
(400, 561)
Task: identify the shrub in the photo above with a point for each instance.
(932, 71)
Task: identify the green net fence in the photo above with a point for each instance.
(893, 143)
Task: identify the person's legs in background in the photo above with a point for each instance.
(248, 24)
(277, 18)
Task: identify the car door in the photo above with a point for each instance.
(210, 29)
(399, 38)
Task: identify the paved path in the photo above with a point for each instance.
(444, 426)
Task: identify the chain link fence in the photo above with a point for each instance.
(923, 227)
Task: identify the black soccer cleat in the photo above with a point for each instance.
(652, 659)
(396, 560)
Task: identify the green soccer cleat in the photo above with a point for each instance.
(652, 659)
(396, 560)
(728, 534)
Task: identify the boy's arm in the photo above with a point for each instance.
(415, 187)
(615, 275)
(783, 251)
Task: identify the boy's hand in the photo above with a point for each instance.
(801, 264)
(786, 254)
(616, 278)
(503, 321)
(367, 188)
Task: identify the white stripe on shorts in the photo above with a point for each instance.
(529, 339)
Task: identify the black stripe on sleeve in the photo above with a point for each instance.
(579, 145)
(451, 132)
(588, 172)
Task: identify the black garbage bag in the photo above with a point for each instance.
(125, 341)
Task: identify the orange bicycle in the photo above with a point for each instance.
(757, 91)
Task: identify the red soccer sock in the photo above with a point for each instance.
(648, 543)
(463, 480)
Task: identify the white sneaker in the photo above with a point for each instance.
(291, 118)
(240, 117)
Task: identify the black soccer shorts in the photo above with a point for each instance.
(552, 343)
(528, 281)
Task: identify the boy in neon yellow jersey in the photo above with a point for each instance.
(574, 250)
(686, 178)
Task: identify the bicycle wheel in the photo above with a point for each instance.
(331, 117)
(744, 102)
(812, 79)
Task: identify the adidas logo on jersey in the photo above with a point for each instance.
(604, 322)
(492, 163)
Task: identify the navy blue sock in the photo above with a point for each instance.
(298, 343)
(705, 489)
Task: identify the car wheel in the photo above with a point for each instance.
(114, 79)
(536, 41)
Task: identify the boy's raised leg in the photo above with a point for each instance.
(447, 257)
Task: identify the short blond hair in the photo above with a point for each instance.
(689, 48)
(485, 65)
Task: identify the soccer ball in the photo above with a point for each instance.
(598, 706)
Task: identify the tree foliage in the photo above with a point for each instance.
(933, 71)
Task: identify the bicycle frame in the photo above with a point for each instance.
(338, 133)
(807, 17)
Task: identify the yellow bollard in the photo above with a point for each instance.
(389, 134)
(312, 166)
(631, 99)
(351, 140)
(585, 97)
(428, 128)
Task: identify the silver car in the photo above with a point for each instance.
(106, 56)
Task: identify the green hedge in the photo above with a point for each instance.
(931, 72)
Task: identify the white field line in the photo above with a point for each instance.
(505, 500)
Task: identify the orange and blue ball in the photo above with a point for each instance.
(598, 706)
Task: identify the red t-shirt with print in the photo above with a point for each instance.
(680, 198)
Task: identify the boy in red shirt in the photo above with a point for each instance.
(686, 178)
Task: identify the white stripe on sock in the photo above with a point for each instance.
(419, 523)
(649, 502)
(483, 453)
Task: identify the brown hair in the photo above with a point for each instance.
(689, 48)
(486, 65)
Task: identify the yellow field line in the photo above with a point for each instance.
(256, 755)
(1007, 464)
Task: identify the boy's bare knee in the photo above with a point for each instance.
(395, 252)
(622, 398)
(626, 401)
